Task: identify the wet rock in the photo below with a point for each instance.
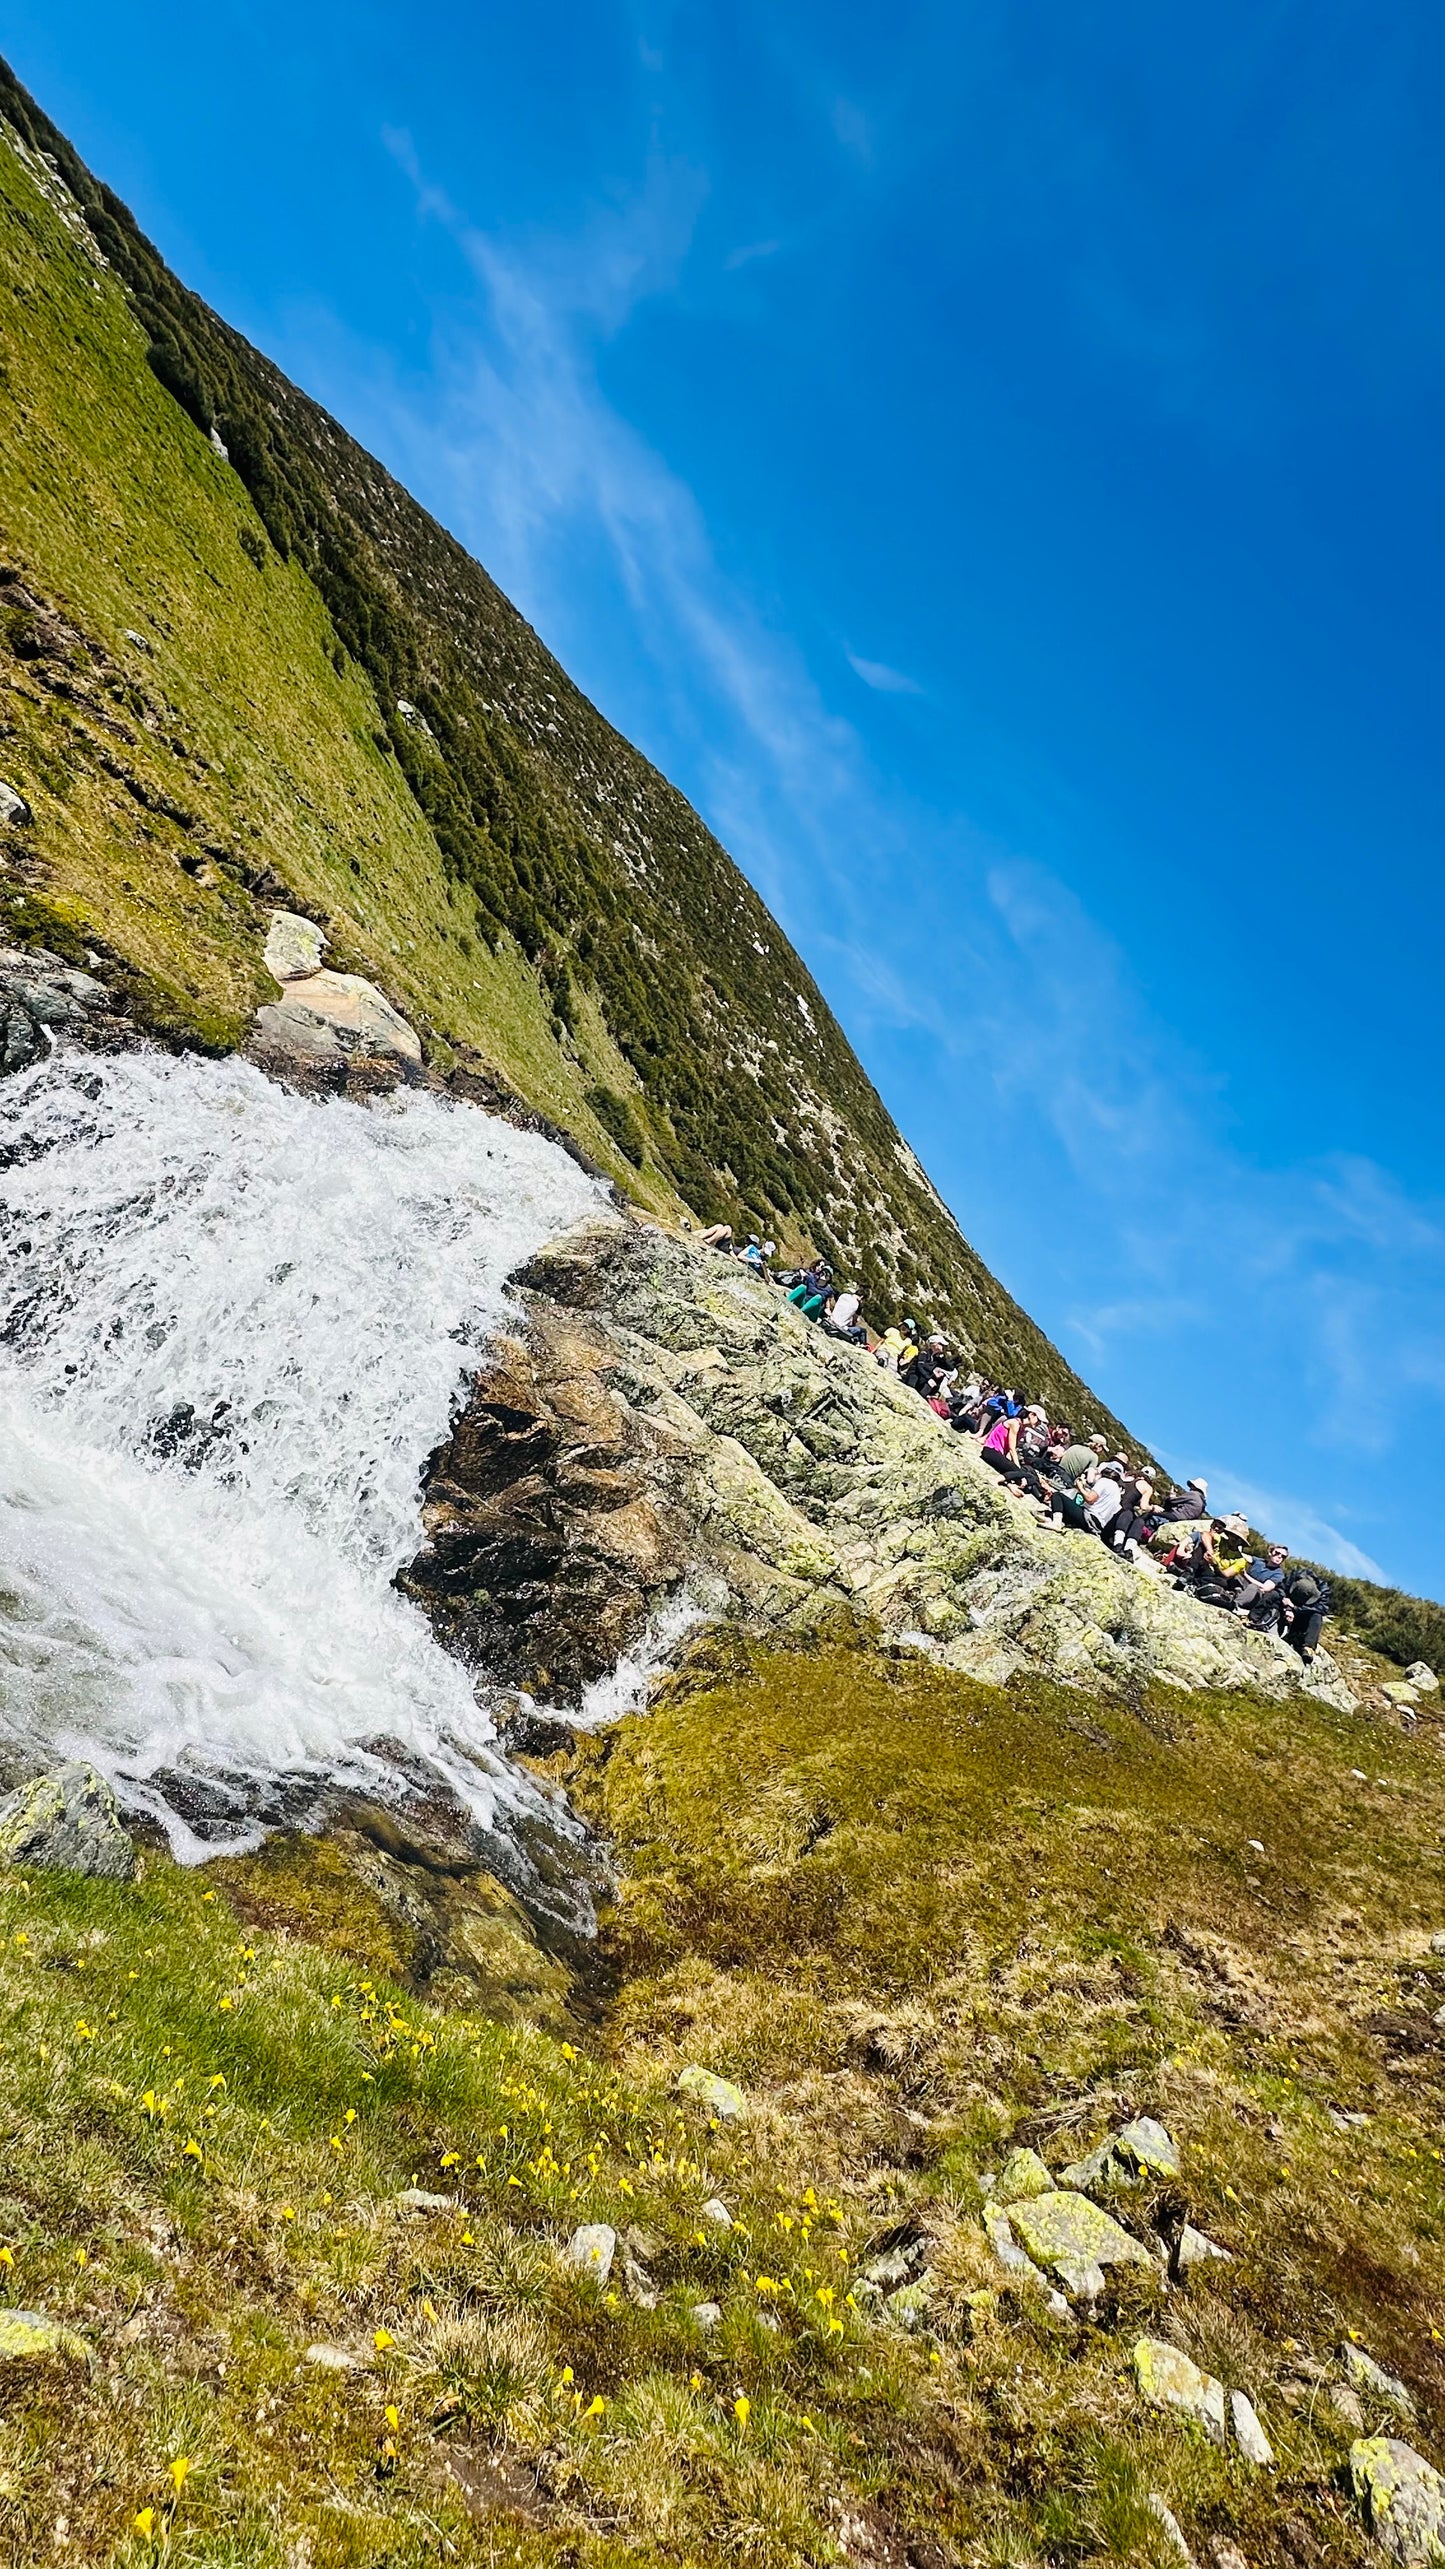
(1402, 2498)
(42, 999)
(66, 1822)
(591, 2250)
(1369, 2378)
(1023, 2174)
(715, 2095)
(663, 1421)
(31, 2337)
(1075, 2240)
(1249, 2435)
(294, 946)
(1168, 2379)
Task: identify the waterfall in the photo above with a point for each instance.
(234, 1322)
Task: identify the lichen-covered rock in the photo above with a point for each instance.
(1196, 2248)
(1422, 1676)
(1403, 2499)
(1075, 2239)
(66, 1822)
(908, 2307)
(1023, 2174)
(591, 2250)
(30, 2337)
(665, 1422)
(294, 946)
(1168, 2379)
(715, 2095)
(1140, 2151)
(1370, 2378)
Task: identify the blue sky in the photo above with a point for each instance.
(990, 457)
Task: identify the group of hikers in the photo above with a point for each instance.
(1071, 1482)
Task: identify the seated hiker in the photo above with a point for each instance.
(999, 1449)
(757, 1252)
(843, 1318)
(1221, 1559)
(1101, 1510)
(1302, 1610)
(930, 1364)
(811, 1290)
(1131, 1524)
(1191, 1501)
(890, 1347)
(1262, 1586)
(1075, 1478)
(1034, 1453)
(718, 1235)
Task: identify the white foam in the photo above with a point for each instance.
(220, 1600)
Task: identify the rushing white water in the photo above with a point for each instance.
(233, 1324)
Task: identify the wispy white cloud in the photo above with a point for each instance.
(1027, 1012)
(745, 254)
(883, 680)
(1289, 1519)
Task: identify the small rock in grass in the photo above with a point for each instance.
(1196, 2248)
(1364, 2374)
(707, 2314)
(908, 2308)
(1173, 2532)
(414, 2198)
(592, 2249)
(1249, 2435)
(1437, 1941)
(1423, 1676)
(637, 2283)
(1168, 2379)
(717, 2095)
(14, 810)
(1348, 2406)
(1403, 2500)
(1148, 2147)
(1068, 2233)
(1227, 2555)
(29, 2337)
(1403, 1697)
(335, 2359)
(717, 2213)
(1023, 2174)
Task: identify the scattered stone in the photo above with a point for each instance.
(886, 2273)
(1227, 2555)
(592, 2249)
(1168, 2379)
(335, 2359)
(716, 2211)
(1069, 2234)
(15, 812)
(708, 2314)
(1344, 2120)
(1196, 2248)
(1348, 2406)
(414, 2198)
(414, 720)
(1437, 1941)
(717, 2095)
(294, 946)
(29, 2337)
(1142, 2149)
(218, 444)
(1403, 2500)
(1364, 2374)
(66, 1822)
(1401, 1694)
(1249, 2435)
(1423, 1676)
(1173, 2532)
(637, 2283)
(1023, 2174)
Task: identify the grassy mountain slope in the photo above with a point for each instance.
(524, 884)
(920, 1920)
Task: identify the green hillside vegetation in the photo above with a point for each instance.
(919, 1920)
(524, 885)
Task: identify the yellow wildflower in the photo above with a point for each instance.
(742, 2409)
(145, 2523)
(393, 2419)
(382, 2340)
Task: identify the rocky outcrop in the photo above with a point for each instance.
(42, 998)
(325, 1019)
(663, 1423)
(66, 1822)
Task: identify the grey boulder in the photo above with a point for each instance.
(1403, 2500)
(66, 1822)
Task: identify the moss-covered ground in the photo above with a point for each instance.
(917, 1919)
